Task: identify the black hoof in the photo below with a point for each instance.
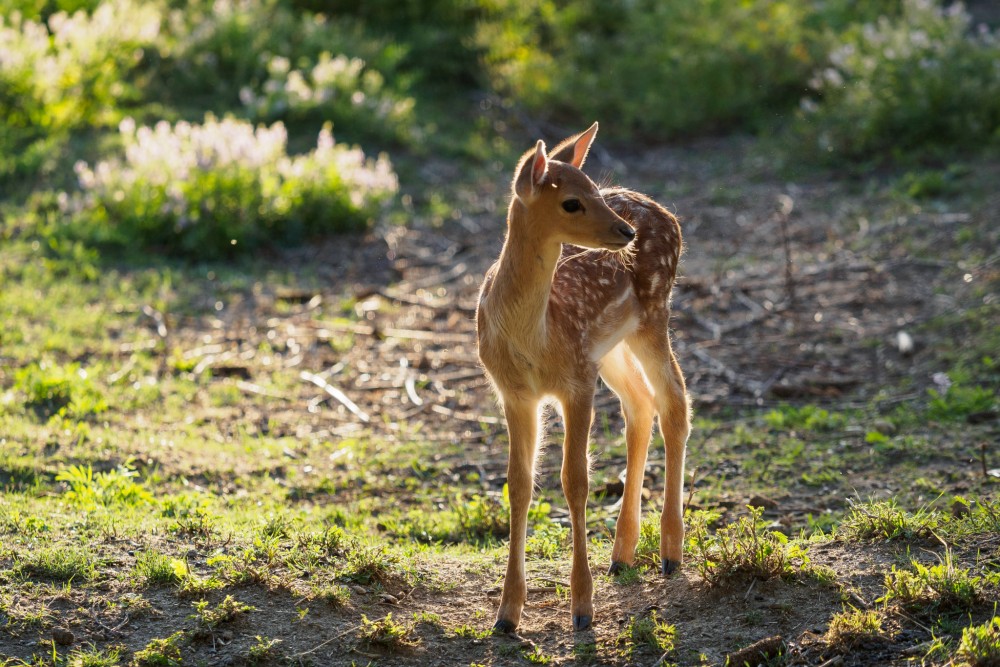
(581, 623)
(503, 627)
(617, 567)
(668, 567)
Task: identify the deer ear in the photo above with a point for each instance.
(574, 150)
(531, 171)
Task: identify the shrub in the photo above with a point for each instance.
(73, 69)
(901, 83)
(290, 65)
(223, 187)
(336, 88)
(657, 68)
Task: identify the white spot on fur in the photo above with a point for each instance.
(654, 282)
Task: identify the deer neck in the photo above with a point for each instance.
(524, 275)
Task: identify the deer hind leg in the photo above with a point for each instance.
(622, 373)
(652, 348)
(522, 424)
(578, 415)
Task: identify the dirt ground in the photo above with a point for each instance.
(791, 290)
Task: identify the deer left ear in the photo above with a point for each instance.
(574, 150)
(531, 172)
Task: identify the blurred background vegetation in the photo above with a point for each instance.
(103, 105)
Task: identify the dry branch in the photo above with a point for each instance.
(337, 394)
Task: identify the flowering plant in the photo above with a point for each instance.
(922, 78)
(336, 88)
(72, 70)
(221, 187)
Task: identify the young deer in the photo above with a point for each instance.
(551, 318)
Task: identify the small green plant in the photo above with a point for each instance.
(537, 656)
(884, 520)
(371, 564)
(980, 644)
(94, 657)
(807, 417)
(387, 633)
(942, 586)
(54, 389)
(262, 650)
(471, 632)
(208, 619)
(114, 487)
(647, 632)
(483, 517)
(741, 549)
(60, 563)
(547, 541)
(854, 627)
(333, 594)
(159, 569)
(958, 402)
(164, 652)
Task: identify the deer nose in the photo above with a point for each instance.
(626, 231)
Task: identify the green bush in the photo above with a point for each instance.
(656, 68)
(221, 188)
(72, 70)
(334, 88)
(925, 78)
(281, 64)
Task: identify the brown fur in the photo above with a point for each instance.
(566, 302)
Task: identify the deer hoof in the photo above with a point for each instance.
(503, 627)
(581, 623)
(668, 567)
(617, 567)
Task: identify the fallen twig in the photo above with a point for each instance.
(337, 394)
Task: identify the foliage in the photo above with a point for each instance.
(941, 586)
(156, 568)
(852, 627)
(114, 487)
(336, 88)
(647, 631)
(387, 633)
(958, 402)
(741, 549)
(224, 187)
(208, 619)
(72, 69)
(885, 520)
(980, 644)
(59, 563)
(898, 83)
(165, 652)
(55, 389)
(659, 69)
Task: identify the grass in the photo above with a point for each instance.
(855, 627)
(387, 634)
(648, 633)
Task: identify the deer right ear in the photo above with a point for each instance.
(531, 171)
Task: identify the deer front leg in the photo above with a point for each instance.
(522, 427)
(675, 425)
(578, 415)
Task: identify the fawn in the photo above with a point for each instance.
(581, 290)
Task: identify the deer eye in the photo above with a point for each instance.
(572, 205)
